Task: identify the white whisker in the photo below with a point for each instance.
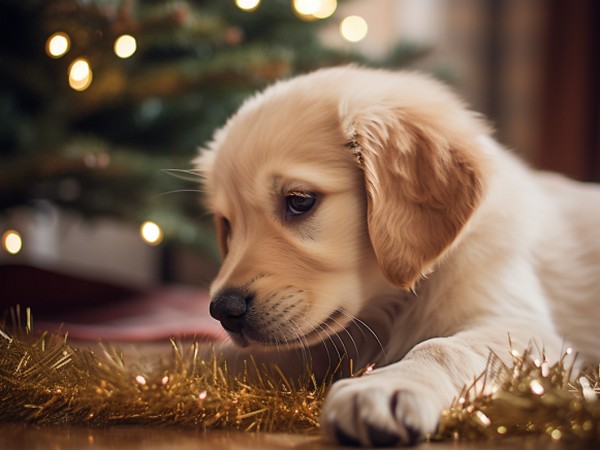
(331, 335)
(192, 175)
(327, 342)
(359, 323)
(303, 344)
(345, 329)
(178, 191)
(323, 342)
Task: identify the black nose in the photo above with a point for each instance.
(229, 307)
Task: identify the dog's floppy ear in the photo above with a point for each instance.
(423, 182)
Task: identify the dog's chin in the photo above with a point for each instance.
(332, 325)
(240, 339)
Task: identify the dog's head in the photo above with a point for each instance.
(332, 189)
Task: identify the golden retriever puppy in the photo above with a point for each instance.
(369, 214)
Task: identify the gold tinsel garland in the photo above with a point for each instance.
(45, 380)
(532, 397)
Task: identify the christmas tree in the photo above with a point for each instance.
(100, 98)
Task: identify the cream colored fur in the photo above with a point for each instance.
(429, 244)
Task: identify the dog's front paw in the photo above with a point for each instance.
(372, 411)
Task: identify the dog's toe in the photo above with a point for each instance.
(344, 438)
(414, 435)
(381, 437)
(364, 412)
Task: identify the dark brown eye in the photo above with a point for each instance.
(298, 203)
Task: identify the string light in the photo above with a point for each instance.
(80, 74)
(125, 46)
(12, 242)
(314, 9)
(354, 28)
(307, 7)
(536, 387)
(326, 9)
(151, 233)
(58, 44)
(247, 5)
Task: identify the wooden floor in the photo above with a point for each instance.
(27, 437)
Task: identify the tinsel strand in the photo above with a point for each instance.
(45, 380)
(49, 382)
(531, 397)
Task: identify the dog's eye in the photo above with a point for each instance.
(298, 203)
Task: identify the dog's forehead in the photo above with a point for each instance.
(280, 128)
(279, 140)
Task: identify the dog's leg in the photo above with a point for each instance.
(401, 403)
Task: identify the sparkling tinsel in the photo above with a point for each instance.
(45, 380)
(532, 397)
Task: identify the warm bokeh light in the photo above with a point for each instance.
(326, 9)
(354, 28)
(247, 5)
(536, 387)
(151, 233)
(58, 44)
(314, 9)
(12, 242)
(125, 46)
(80, 74)
(307, 7)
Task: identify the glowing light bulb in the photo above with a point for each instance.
(307, 7)
(326, 9)
(536, 387)
(125, 46)
(151, 233)
(247, 5)
(12, 242)
(80, 74)
(58, 44)
(354, 28)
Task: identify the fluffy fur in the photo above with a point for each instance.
(427, 246)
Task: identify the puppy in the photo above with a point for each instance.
(369, 215)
